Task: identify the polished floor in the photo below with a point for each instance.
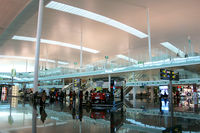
(20, 116)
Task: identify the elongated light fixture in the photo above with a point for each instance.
(96, 17)
(31, 58)
(127, 58)
(51, 42)
(171, 47)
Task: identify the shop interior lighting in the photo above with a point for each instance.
(51, 42)
(96, 17)
(173, 49)
(31, 58)
(127, 58)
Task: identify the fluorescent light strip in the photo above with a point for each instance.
(173, 48)
(62, 63)
(127, 58)
(51, 42)
(96, 17)
(30, 58)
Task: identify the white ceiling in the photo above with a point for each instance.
(170, 20)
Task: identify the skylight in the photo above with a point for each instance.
(51, 42)
(127, 58)
(31, 58)
(173, 49)
(96, 17)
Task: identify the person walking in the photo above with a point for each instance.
(86, 95)
(61, 96)
(74, 98)
(43, 98)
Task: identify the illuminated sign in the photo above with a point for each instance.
(168, 75)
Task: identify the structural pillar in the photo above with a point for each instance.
(133, 76)
(171, 100)
(195, 98)
(109, 81)
(81, 51)
(149, 35)
(34, 119)
(73, 88)
(63, 82)
(151, 93)
(37, 50)
(134, 95)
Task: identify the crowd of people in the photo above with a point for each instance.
(53, 96)
(57, 96)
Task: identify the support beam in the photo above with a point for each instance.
(149, 35)
(109, 81)
(81, 51)
(37, 50)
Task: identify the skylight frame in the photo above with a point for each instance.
(31, 58)
(127, 58)
(52, 42)
(172, 48)
(96, 17)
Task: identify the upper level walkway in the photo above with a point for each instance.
(61, 73)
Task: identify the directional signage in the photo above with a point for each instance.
(77, 82)
(165, 74)
(175, 76)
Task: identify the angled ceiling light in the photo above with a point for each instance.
(127, 58)
(96, 17)
(173, 48)
(31, 39)
(62, 63)
(31, 58)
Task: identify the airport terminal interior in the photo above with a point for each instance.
(99, 66)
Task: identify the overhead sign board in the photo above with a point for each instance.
(169, 75)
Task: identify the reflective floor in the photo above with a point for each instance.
(20, 116)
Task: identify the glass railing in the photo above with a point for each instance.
(114, 67)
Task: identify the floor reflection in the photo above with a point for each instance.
(19, 116)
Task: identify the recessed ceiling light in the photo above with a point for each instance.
(96, 17)
(31, 58)
(127, 58)
(31, 39)
(173, 49)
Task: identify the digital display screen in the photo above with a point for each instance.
(164, 90)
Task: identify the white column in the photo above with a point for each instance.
(34, 119)
(133, 76)
(134, 95)
(81, 51)
(109, 80)
(170, 97)
(37, 51)
(189, 45)
(63, 82)
(149, 35)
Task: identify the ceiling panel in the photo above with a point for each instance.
(9, 9)
(170, 20)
